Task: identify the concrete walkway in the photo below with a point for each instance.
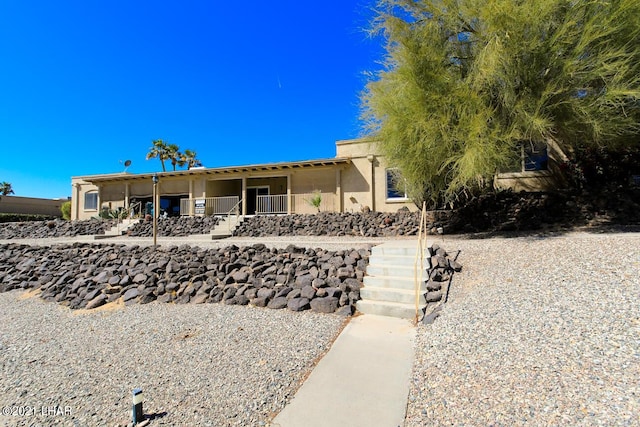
(362, 381)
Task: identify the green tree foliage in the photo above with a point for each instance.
(159, 149)
(190, 159)
(65, 209)
(174, 154)
(162, 150)
(466, 82)
(6, 189)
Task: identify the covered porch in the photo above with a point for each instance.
(274, 189)
(259, 204)
(268, 189)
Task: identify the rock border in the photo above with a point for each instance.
(441, 272)
(87, 276)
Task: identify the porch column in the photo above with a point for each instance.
(99, 199)
(372, 160)
(288, 194)
(157, 200)
(244, 195)
(126, 195)
(338, 202)
(75, 207)
(191, 201)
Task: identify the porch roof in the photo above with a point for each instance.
(228, 170)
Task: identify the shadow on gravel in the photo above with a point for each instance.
(156, 415)
(552, 232)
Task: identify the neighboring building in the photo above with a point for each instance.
(356, 178)
(31, 205)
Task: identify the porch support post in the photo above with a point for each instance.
(372, 160)
(244, 195)
(288, 194)
(126, 195)
(338, 201)
(99, 199)
(191, 198)
(75, 211)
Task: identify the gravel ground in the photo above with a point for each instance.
(537, 332)
(205, 241)
(198, 365)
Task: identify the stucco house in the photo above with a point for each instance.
(355, 178)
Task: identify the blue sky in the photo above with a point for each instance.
(86, 85)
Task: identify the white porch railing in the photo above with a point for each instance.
(208, 205)
(276, 204)
(272, 204)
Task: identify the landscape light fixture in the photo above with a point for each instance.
(155, 208)
(137, 414)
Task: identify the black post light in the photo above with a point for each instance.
(137, 414)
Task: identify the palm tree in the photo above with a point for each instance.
(159, 149)
(174, 154)
(189, 158)
(5, 188)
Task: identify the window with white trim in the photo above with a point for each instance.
(91, 201)
(396, 185)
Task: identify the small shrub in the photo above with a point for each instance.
(66, 210)
(316, 200)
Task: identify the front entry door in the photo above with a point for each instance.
(252, 198)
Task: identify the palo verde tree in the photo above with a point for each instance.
(465, 82)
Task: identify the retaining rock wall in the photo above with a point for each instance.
(88, 276)
(367, 224)
(175, 226)
(53, 228)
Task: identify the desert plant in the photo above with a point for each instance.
(65, 209)
(465, 83)
(316, 200)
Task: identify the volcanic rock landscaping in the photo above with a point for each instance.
(366, 224)
(443, 266)
(88, 276)
(175, 226)
(54, 228)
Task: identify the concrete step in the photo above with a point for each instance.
(407, 271)
(390, 309)
(403, 248)
(393, 259)
(392, 295)
(118, 229)
(221, 231)
(393, 282)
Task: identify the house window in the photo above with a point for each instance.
(91, 202)
(396, 185)
(535, 156)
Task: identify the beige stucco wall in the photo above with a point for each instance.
(364, 184)
(276, 185)
(80, 187)
(31, 205)
(308, 181)
(224, 187)
(174, 187)
(110, 195)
